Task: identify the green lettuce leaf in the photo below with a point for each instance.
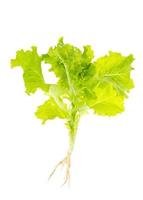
(107, 102)
(30, 62)
(116, 69)
(50, 110)
(101, 84)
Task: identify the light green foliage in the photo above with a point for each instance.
(115, 68)
(49, 110)
(30, 62)
(83, 83)
(107, 101)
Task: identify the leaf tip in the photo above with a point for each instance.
(61, 41)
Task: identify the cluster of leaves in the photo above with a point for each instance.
(101, 85)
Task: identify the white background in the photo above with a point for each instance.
(107, 162)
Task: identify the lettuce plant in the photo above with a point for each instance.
(83, 83)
